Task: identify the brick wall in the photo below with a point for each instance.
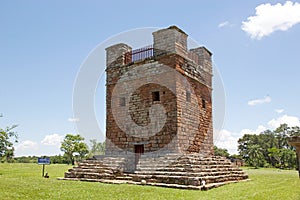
(163, 102)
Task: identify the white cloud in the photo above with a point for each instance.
(52, 140)
(285, 119)
(258, 130)
(27, 145)
(279, 110)
(254, 102)
(226, 139)
(270, 18)
(223, 24)
(73, 119)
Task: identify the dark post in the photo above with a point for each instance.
(43, 171)
(295, 142)
(298, 158)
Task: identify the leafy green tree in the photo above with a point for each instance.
(295, 131)
(7, 139)
(97, 148)
(271, 147)
(285, 158)
(221, 152)
(282, 134)
(267, 140)
(255, 156)
(244, 143)
(288, 158)
(275, 155)
(22, 159)
(73, 145)
(82, 150)
(59, 159)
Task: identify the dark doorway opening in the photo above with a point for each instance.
(138, 150)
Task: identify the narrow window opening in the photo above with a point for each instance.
(188, 96)
(203, 104)
(155, 96)
(122, 101)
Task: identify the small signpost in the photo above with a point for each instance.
(43, 161)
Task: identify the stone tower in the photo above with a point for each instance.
(164, 75)
(159, 118)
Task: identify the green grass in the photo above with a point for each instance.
(24, 181)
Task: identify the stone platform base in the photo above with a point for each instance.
(189, 171)
(176, 186)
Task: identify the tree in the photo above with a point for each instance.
(72, 145)
(288, 158)
(295, 131)
(244, 143)
(282, 134)
(82, 150)
(271, 147)
(275, 155)
(7, 138)
(97, 148)
(255, 156)
(267, 140)
(221, 152)
(59, 159)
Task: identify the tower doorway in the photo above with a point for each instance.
(138, 150)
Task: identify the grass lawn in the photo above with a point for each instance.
(24, 181)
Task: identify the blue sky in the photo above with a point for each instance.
(43, 44)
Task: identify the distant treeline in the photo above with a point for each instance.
(269, 148)
(58, 159)
(71, 155)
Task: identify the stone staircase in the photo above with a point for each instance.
(89, 170)
(188, 170)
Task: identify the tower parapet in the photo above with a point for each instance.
(204, 58)
(170, 40)
(115, 54)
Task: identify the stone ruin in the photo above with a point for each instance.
(159, 128)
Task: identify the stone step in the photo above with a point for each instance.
(98, 167)
(170, 162)
(88, 175)
(189, 164)
(191, 187)
(94, 170)
(199, 162)
(124, 178)
(182, 169)
(188, 180)
(195, 174)
(187, 168)
(105, 158)
(100, 163)
(108, 168)
(141, 162)
(218, 179)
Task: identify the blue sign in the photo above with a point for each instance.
(44, 161)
